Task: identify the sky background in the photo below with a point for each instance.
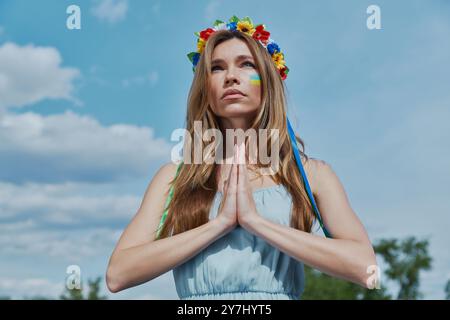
(86, 118)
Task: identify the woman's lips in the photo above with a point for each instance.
(233, 96)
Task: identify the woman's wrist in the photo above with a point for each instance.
(222, 224)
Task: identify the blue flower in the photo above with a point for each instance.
(232, 26)
(273, 48)
(196, 57)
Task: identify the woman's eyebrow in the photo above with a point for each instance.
(238, 58)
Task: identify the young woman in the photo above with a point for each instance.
(226, 231)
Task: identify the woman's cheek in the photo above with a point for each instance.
(255, 84)
(255, 80)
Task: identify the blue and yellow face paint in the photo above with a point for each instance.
(255, 79)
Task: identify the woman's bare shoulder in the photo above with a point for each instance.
(159, 185)
(317, 171)
(165, 174)
(168, 168)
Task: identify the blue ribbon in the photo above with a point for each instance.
(305, 180)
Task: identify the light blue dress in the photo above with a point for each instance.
(241, 265)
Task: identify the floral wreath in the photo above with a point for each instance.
(259, 33)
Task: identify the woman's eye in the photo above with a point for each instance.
(249, 63)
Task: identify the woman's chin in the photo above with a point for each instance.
(236, 109)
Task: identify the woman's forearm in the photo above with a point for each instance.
(341, 258)
(132, 266)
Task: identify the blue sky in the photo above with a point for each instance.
(86, 117)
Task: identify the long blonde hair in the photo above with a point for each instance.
(196, 184)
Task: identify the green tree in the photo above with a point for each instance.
(405, 260)
(72, 294)
(447, 290)
(94, 290)
(77, 294)
(37, 297)
(320, 286)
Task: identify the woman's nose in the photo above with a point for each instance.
(231, 77)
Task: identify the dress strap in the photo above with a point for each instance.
(305, 179)
(166, 205)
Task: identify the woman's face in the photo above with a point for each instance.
(233, 67)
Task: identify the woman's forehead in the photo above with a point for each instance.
(231, 49)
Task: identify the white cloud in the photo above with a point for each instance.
(22, 239)
(211, 10)
(156, 8)
(111, 11)
(29, 74)
(151, 79)
(20, 288)
(30, 287)
(82, 235)
(69, 146)
(71, 204)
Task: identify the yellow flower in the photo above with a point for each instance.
(245, 26)
(200, 45)
(278, 58)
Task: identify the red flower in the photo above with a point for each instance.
(206, 33)
(261, 34)
(283, 72)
